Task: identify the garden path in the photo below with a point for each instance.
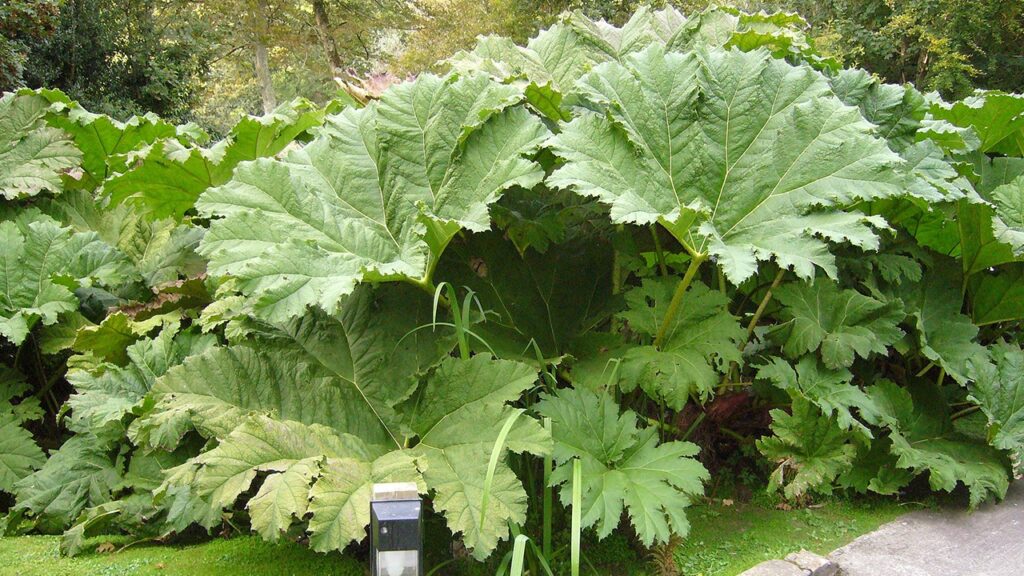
(986, 542)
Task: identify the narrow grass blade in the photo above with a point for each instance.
(518, 555)
(499, 447)
(548, 498)
(577, 516)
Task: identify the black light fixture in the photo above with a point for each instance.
(396, 530)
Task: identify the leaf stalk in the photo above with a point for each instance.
(677, 298)
(762, 306)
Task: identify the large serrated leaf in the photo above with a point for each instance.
(998, 388)
(377, 196)
(104, 396)
(346, 371)
(457, 420)
(32, 155)
(19, 453)
(41, 264)
(702, 340)
(167, 176)
(624, 468)
(842, 324)
(753, 163)
(923, 440)
(810, 449)
(832, 391)
(80, 474)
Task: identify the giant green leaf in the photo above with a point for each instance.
(19, 454)
(41, 264)
(109, 340)
(302, 471)
(998, 388)
(898, 111)
(1008, 222)
(752, 163)
(457, 418)
(104, 141)
(924, 440)
(945, 336)
(781, 33)
(997, 118)
(841, 323)
(702, 340)
(340, 500)
(624, 468)
(15, 396)
(81, 473)
(810, 449)
(167, 176)
(32, 155)
(377, 196)
(998, 296)
(290, 451)
(875, 469)
(161, 250)
(105, 396)
(832, 391)
(346, 371)
(558, 56)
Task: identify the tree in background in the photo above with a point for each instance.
(123, 57)
(211, 60)
(274, 50)
(22, 23)
(443, 27)
(951, 46)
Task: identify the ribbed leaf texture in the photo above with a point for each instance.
(624, 467)
(377, 196)
(739, 155)
(32, 155)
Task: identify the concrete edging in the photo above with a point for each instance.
(802, 563)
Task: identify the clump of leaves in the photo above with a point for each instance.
(649, 217)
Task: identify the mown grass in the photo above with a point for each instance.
(724, 541)
(241, 556)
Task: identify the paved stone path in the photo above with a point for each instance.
(987, 542)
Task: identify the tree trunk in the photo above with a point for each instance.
(323, 31)
(262, 61)
(922, 69)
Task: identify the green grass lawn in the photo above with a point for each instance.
(724, 541)
(241, 556)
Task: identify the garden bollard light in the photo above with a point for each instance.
(396, 530)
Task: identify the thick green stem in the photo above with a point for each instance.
(925, 370)
(617, 265)
(965, 412)
(662, 267)
(428, 286)
(735, 435)
(761, 307)
(700, 418)
(616, 276)
(677, 298)
(661, 425)
(548, 500)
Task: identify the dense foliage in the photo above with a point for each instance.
(613, 250)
